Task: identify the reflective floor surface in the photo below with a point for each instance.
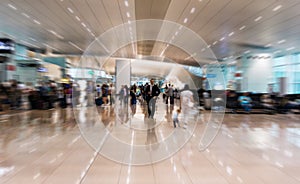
(67, 146)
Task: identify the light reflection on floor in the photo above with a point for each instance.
(48, 147)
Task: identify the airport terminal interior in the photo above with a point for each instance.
(150, 91)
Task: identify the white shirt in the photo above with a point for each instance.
(186, 99)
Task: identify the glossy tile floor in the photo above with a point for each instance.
(50, 147)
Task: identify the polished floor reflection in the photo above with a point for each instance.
(51, 147)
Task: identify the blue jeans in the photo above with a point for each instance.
(247, 107)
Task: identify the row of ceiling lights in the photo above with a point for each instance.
(126, 3)
(82, 24)
(36, 22)
(49, 30)
(276, 8)
(241, 28)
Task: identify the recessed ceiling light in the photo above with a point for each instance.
(77, 18)
(243, 27)
(74, 45)
(258, 18)
(70, 10)
(51, 31)
(37, 22)
(291, 48)
(185, 20)
(247, 52)
(215, 42)
(192, 10)
(83, 24)
(180, 27)
(231, 34)
(281, 41)
(25, 15)
(277, 7)
(268, 45)
(276, 52)
(126, 3)
(203, 49)
(128, 14)
(12, 7)
(32, 39)
(208, 46)
(223, 38)
(88, 29)
(176, 33)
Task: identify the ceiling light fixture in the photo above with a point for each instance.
(242, 28)
(277, 8)
(128, 14)
(126, 3)
(215, 42)
(247, 52)
(32, 39)
(176, 33)
(77, 18)
(276, 52)
(12, 7)
(192, 10)
(291, 48)
(203, 49)
(208, 46)
(231, 34)
(83, 24)
(37, 22)
(268, 45)
(223, 38)
(70, 10)
(185, 20)
(26, 15)
(281, 41)
(258, 18)
(54, 33)
(74, 45)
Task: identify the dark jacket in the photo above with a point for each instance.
(155, 91)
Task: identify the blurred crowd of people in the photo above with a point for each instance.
(15, 95)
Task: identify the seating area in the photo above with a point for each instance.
(261, 103)
(265, 103)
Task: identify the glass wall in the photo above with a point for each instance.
(289, 67)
